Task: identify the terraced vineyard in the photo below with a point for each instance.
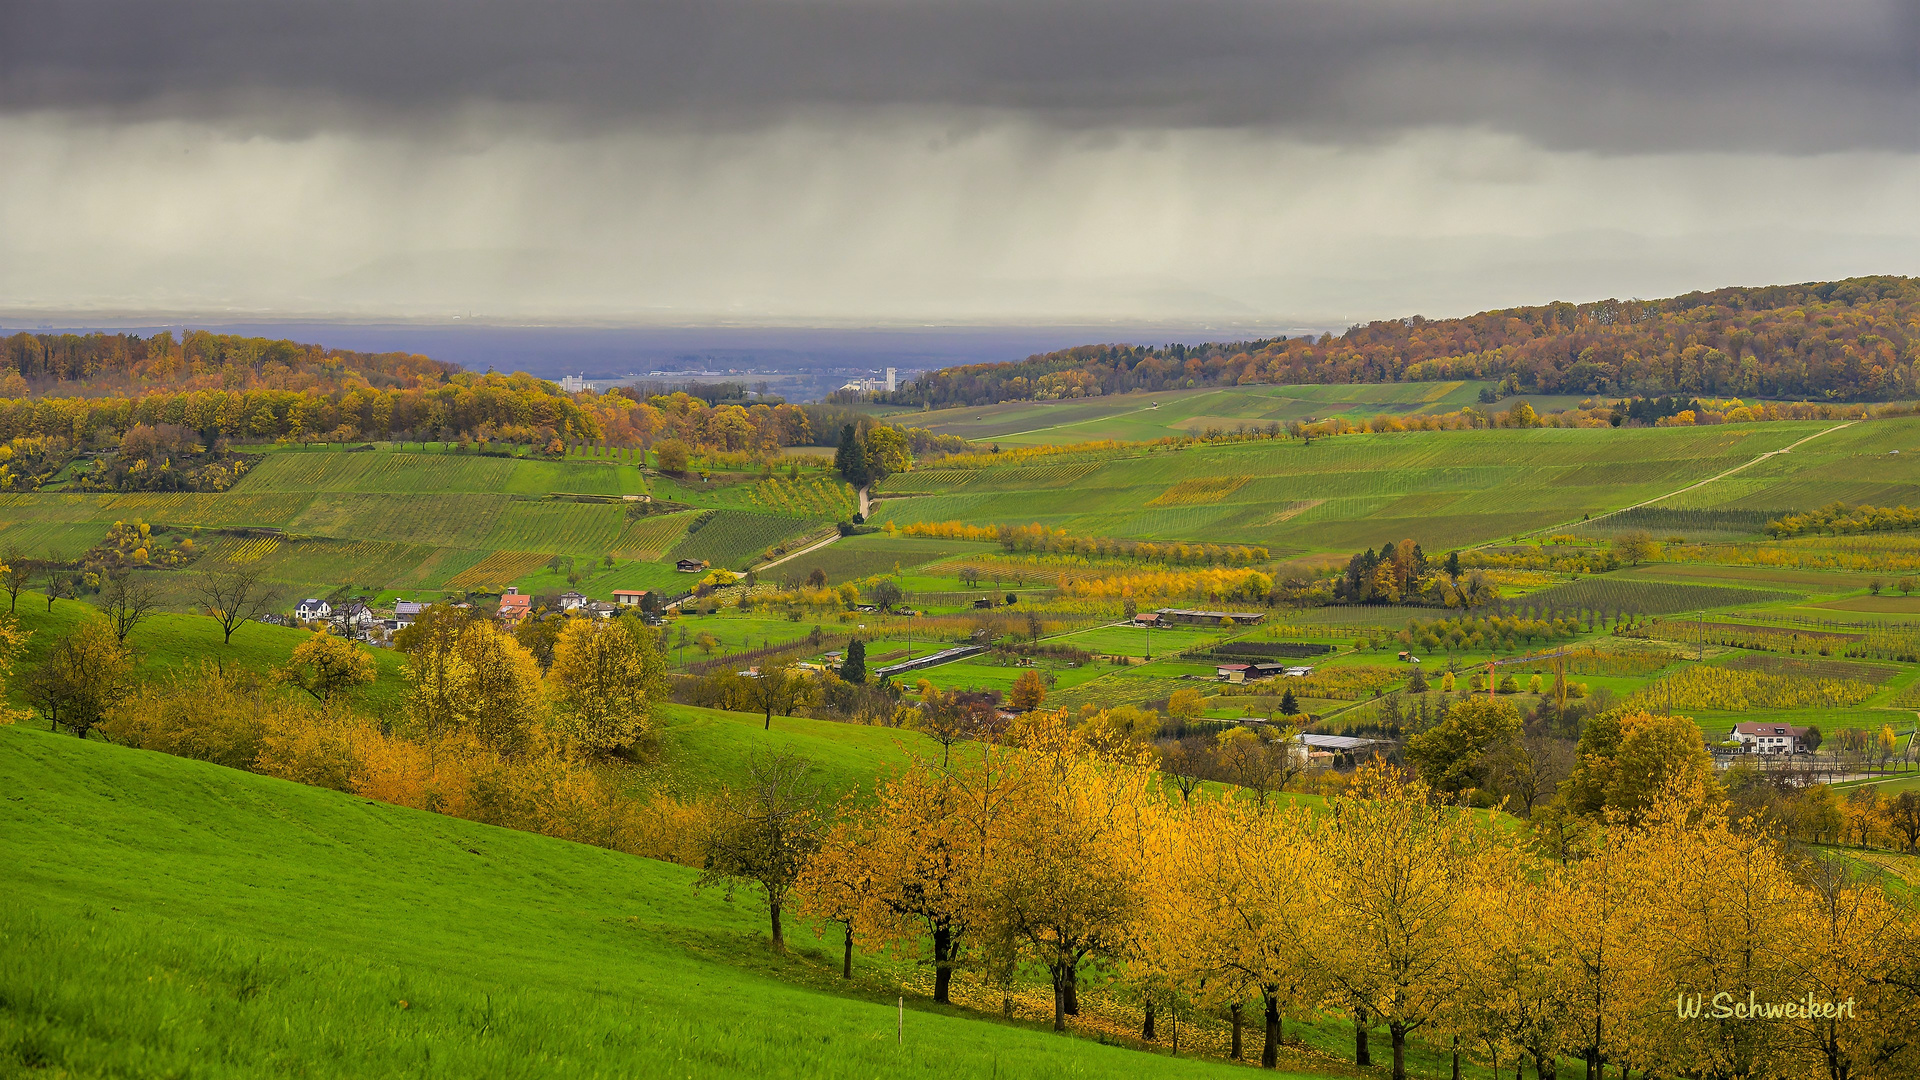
(650, 538)
(372, 519)
(1446, 488)
(729, 538)
(497, 569)
(809, 496)
(1625, 596)
(1142, 416)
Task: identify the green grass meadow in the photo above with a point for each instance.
(167, 917)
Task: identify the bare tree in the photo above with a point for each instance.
(781, 689)
(234, 597)
(128, 602)
(1184, 764)
(765, 834)
(1530, 769)
(14, 572)
(1257, 762)
(82, 678)
(58, 581)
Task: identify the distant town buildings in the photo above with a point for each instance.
(889, 383)
(573, 384)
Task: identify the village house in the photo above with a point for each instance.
(356, 616)
(630, 597)
(1147, 618)
(515, 606)
(312, 610)
(406, 612)
(573, 601)
(690, 566)
(1759, 738)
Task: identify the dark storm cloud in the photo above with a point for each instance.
(1615, 75)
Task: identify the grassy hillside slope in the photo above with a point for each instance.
(377, 520)
(1153, 415)
(166, 917)
(1446, 488)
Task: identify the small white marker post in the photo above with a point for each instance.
(900, 1025)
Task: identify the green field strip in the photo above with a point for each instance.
(456, 520)
(560, 527)
(38, 538)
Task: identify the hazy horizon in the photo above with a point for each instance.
(553, 350)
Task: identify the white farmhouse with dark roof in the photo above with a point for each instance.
(1761, 738)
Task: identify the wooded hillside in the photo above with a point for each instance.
(1851, 340)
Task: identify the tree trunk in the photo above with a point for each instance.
(1073, 989)
(779, 942)
(1456, 1061)
(1399, 1051)
(942, 963)
(846, 956)
(1546, 1066)
(1057, 970)
(1236, 1031)
(769, 723)
(1360, 1054)
(1146, 1026)
(1270, 1053)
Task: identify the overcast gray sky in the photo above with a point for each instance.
(1298, 161)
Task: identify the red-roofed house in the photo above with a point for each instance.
(514, 606)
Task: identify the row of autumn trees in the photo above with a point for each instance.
(1058, 853)
(504, 408)
(1850, 340)
(539, 736)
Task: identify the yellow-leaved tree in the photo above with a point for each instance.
(606, 678)
(1391, 865)
(1057, 882)
(323, 665)
(465, 675)
(901, 872)
(12, 641)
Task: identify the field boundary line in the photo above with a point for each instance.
(816, 546)
(1670, 494)
(1090, 419)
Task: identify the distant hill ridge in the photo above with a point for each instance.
(1849, 340)
(201, 360)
